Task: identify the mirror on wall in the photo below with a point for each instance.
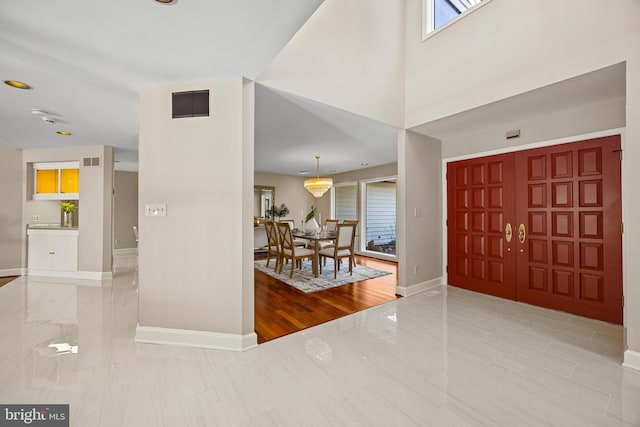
(264, 197)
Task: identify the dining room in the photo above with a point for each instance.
(295, 294)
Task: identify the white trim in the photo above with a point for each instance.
(631, 360)
(416, 288)
(89, 275)
(124, 252)
(557, 141)
(12, 272)
(191, 338)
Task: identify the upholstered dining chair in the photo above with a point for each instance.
(331, 225)
(288, 250)
(355, 222)
(273, 243)
(296, 242)
(343, 248)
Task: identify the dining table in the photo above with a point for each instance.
(316, 239)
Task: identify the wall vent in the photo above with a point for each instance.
(190, 104)
(91, 161)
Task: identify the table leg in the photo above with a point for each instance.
(314, 263)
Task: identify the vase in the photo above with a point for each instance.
(67, 219)
(312, 227)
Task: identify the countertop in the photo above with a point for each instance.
(49, 226)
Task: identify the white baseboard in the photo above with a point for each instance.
(13, 272)
(90, 275)
(406, 291)
(125, 252)
(201, 339)
(631, 360)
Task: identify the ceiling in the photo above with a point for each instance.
(291, 130)
(86, 60)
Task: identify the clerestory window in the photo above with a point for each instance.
(437, 13)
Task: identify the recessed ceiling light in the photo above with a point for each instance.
(332, 170)
(63, 132)
(17, 84)
(364, 164)
(304, 172)
(167, 2)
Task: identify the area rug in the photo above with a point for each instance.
(304, 281)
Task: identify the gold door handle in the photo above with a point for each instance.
(522, 233)
(508, 232)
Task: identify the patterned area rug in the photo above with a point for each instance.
(304, 281)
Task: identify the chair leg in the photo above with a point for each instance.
(293, 265)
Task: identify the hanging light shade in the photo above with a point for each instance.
(318, 186)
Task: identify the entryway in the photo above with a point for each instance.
(541, 226)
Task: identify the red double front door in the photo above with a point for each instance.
(541, 226)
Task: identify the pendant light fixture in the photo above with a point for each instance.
(318, 186)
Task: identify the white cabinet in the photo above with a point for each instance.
(52, 251)
(259, 238)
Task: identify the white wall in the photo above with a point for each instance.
(195, 271)
(11, 227)
(507, 48)
(349, 54)
(290, 191)
(95, 206)
(419, 212)
(125, 209)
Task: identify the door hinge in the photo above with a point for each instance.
(623, 300)
(619, 151)
(446, 176)
(446, 269)
(446, 222)
(621, 227)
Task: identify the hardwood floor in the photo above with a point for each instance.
(281, 309)
(7, 279)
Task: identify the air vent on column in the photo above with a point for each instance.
(190, 104)
(91, 161)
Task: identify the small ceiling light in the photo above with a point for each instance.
(304, 172)
(167, 2)
(318, 186)
(364, 164)
(48, 119)
(63, 133)
(17, 84)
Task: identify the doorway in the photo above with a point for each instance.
(541, 226)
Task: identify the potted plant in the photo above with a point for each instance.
(280, 212)
(67, 209)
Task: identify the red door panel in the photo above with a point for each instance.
(563, 204)
(574, 263)
(478, 206)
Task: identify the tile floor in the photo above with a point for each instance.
(446, 357)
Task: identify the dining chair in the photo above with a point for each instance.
(288, 250)
(343, 248)
(331, 225)
(355, 222)
(273, 243)
(296, 242)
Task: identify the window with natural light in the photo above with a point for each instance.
(439, 12)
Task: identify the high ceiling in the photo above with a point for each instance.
(86, 60)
